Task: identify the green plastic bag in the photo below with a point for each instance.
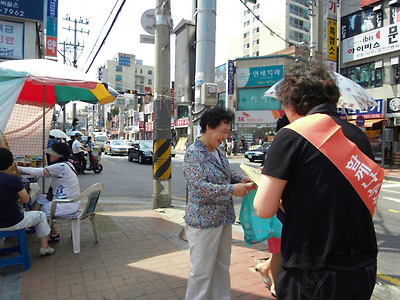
(256, 229)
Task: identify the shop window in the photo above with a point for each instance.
(396, 77)
(366, 75)
(394, 63)
(378, 77)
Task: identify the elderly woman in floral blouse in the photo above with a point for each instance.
(210, 212)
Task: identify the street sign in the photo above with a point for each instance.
(147, 39)
(148, 20)
(360, 121)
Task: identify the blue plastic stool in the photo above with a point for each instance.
(22, 248)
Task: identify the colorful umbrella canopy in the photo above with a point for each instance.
(63, 83)
(29, 85)
(352, 95)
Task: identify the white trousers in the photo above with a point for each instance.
(210, 256)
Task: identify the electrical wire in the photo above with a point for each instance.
(105, 37)
(98, 37)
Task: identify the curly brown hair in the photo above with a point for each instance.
(307, 85)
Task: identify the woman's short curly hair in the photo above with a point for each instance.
(6, 159)
(214, 116)
(307, 85)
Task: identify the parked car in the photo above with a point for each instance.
(116, 147)
(257, 153)
(141, 150)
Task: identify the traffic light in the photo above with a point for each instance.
(75, 122)
(131, 91)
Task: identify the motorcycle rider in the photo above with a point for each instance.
(89, 147)
(77, 151)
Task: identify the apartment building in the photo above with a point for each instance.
(135, 82)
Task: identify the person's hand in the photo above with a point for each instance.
(246, 180)
(242, 189)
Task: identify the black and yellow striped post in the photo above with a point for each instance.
(162, 107)
(162, 159)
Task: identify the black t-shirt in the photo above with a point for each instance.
(324, 214)
(10, 211)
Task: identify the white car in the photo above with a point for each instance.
(116, 147)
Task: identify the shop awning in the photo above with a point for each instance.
(370, 122)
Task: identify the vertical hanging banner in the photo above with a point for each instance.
(51, 27)
(330, 33)
(332, 40)
(230, 74)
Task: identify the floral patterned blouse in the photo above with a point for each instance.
(210, 185)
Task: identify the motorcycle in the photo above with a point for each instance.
(96, 167)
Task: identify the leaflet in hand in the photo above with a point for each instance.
(253, 173)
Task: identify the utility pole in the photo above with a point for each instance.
(313, 29)
(76, 46)
(162, 107)
(205, 55)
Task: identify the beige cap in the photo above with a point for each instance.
(52, 152)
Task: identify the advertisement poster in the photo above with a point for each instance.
(11, 40)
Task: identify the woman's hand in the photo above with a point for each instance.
(245, 180)
(242, 189)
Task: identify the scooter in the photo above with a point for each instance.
(97, 167)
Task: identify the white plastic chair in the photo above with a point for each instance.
(92, 194)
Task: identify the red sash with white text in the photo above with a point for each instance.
(327, 136)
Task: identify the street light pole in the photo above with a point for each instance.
(162, 107)
(205, 55)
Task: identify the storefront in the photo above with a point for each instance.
(392, 129)
(254, 125)
(372, 121)
(256, 114)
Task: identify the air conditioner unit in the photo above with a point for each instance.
(397, 121)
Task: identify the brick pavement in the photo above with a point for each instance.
(139, 256)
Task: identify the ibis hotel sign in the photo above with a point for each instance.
(374, 42)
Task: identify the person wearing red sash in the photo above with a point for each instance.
(329, 247)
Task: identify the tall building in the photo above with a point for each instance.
(125, 72)
(128, 75)
(286, 23)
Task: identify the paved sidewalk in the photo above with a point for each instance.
(140, 256)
